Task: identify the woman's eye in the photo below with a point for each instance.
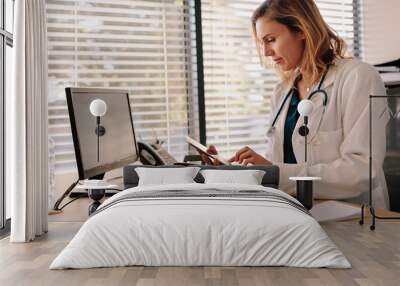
(270, 40)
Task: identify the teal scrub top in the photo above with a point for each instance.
(290, 123)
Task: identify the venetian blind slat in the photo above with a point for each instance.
(140, 46)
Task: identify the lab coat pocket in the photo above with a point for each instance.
(325, 147)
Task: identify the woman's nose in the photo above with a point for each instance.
(268, 52)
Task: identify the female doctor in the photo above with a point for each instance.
(309, 56)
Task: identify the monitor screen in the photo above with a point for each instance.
(113, 149)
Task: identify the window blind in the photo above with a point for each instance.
(237, 89)
(343, 16)
(140, 46)
(380, 21)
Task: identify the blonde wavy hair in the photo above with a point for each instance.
(322, 44)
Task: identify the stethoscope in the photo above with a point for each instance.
(319, 90)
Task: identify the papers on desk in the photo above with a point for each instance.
(334, 211)
(390, 78)
(388, 69)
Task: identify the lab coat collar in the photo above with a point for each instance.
(330, 76)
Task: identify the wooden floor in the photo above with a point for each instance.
(374, 255)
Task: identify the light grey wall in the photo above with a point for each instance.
(380, 30)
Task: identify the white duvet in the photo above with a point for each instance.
(200, 231)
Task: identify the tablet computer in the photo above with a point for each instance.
(203, 149)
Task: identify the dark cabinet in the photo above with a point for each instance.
(391, 165)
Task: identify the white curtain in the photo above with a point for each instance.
(27, 123)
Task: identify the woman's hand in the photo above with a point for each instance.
(206, 159)
(246, 156)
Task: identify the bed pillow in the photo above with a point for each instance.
(248, 177)
(166, 176)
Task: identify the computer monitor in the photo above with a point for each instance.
(117, 147)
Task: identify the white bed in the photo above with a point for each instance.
(185, 230)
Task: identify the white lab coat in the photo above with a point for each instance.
(339, 152)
